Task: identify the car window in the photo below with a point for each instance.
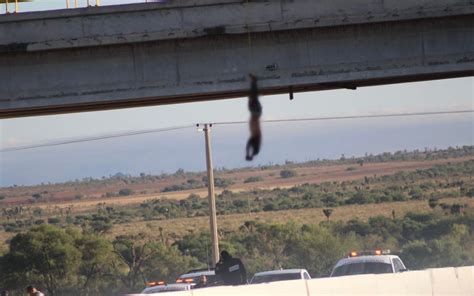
(363, 268)
(306, 276)
(276, 277)
(397, 265)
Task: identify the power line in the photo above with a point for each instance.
(133, 133)
(96, 138)
(349, 117)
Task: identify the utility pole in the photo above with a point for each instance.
(212, 197)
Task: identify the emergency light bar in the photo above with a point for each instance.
(154, 284)
(377, 252)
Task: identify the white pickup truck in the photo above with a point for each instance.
(372, 262)
(280, 275)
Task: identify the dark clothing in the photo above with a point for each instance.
(231, 271)
(200, 285)
(255, 108)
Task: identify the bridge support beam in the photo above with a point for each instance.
(97, 71)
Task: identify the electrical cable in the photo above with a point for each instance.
(348, 117)
(134, 133)
(96, 138)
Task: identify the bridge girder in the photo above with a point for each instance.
(150, 54)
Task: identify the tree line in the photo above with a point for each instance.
(75, 261)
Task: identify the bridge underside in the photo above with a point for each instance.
(36, 81)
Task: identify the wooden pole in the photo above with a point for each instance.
(212, 197)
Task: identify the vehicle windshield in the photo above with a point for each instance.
(362, 268)
(275, 277)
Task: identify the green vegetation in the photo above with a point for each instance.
(80, 262)
(70, 262)
(68, 252)
(285, 174)
(441, 181)
(125, 192)
(253, 179)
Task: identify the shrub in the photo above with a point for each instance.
(125, 192)
(253, 179)
(285, 174)
(54, 220)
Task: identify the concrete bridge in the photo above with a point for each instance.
(190, 50)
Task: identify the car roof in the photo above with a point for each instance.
(280, 271)
(169, 287)
(198, 273)
(371, 258)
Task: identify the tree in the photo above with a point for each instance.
(327, 213)
(317, 249)
(50, 256)
(133, 251)
(146, 259)
(36, 196)
(433, 202)
(97, 261)
(456, 209)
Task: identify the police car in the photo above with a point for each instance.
(368, 262)
(280, 275)
(192, 277)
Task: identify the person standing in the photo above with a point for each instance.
(231, 270)
(32, 291)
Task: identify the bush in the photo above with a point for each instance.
(54, 220)
(285, 174)
(125, 192)
(222, 182)
(253, 179)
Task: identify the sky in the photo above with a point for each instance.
(169, 151)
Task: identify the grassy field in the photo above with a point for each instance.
(60, 197)
(231, 222)
(271, 179)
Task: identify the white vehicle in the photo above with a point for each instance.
(280, 275)
(374, 262)
(166, 288)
